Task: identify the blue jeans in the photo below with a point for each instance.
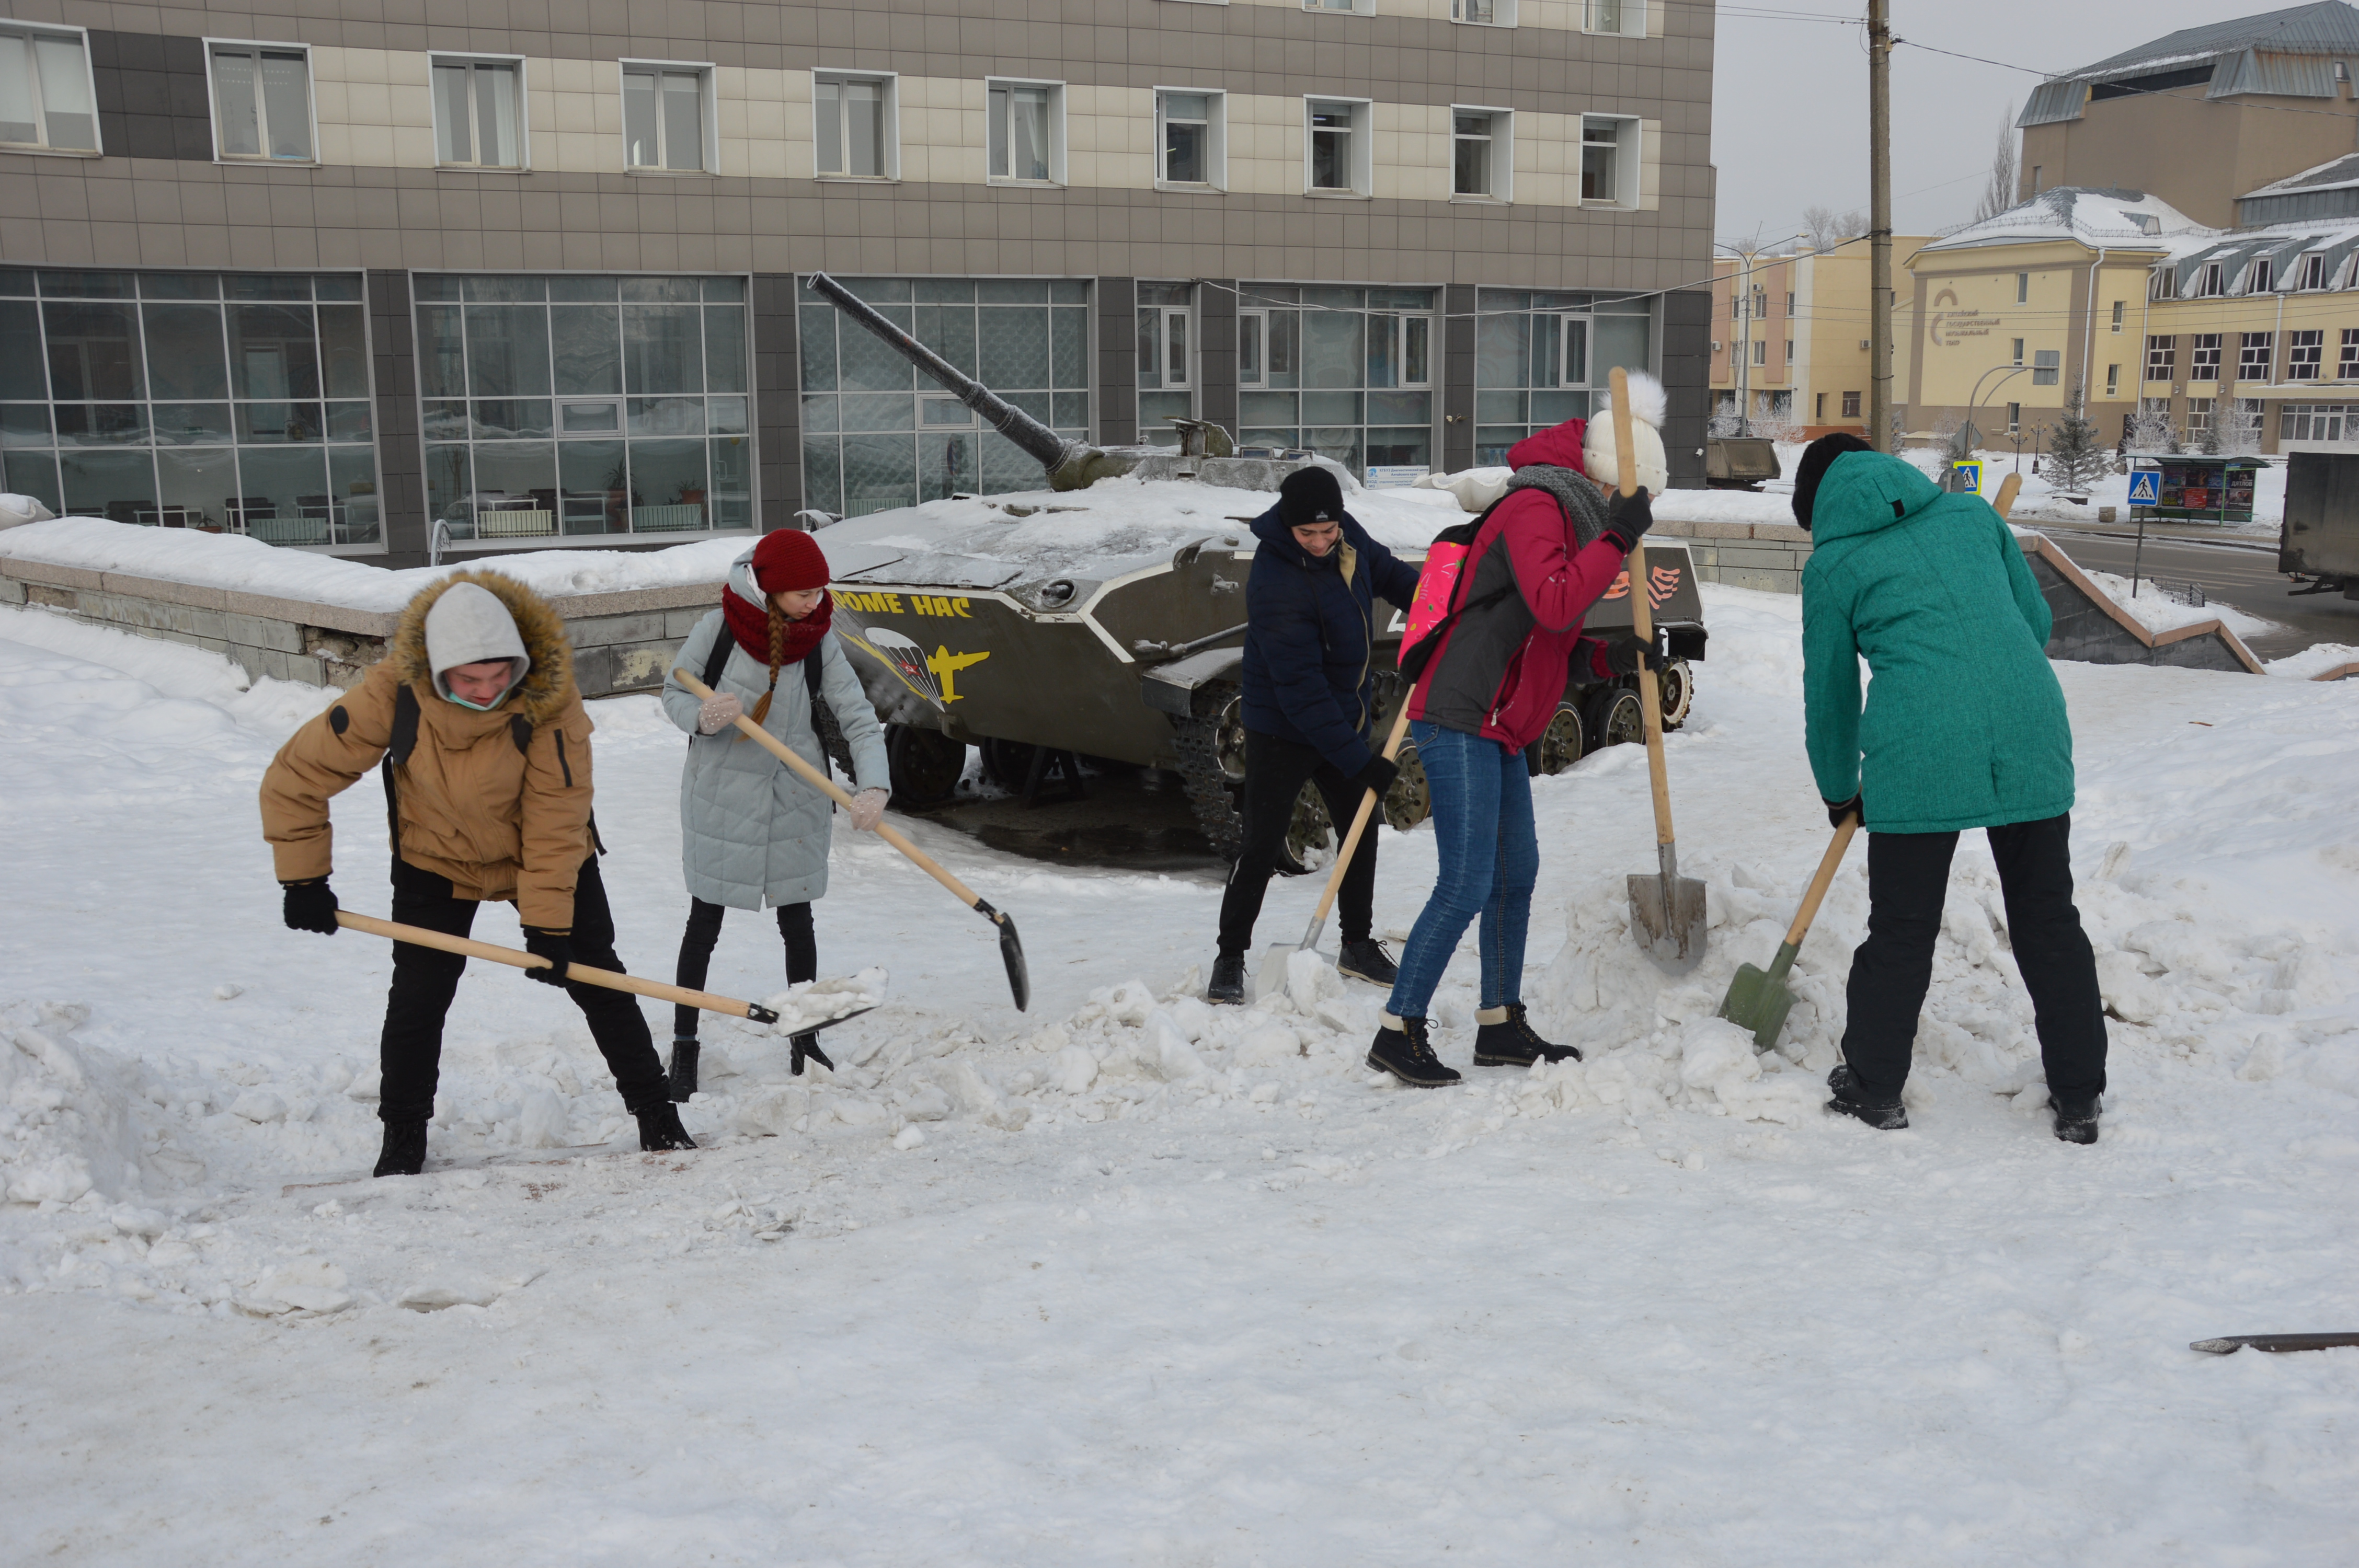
(1489, 860)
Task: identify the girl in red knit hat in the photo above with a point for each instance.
(751, 831)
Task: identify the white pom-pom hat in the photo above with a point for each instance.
(1648, 404)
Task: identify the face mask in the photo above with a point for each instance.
(477, 707)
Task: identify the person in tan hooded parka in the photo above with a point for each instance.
(486, 747)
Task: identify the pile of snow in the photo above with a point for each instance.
(2157, 611)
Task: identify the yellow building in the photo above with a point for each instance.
(1789, 336)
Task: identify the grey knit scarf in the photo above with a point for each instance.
(1583, 507)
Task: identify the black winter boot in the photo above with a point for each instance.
(1367, 960)
(683, 1070)
(1402, 1050)
(1507, 1039)
(1228, 986)
(2076, 1121)
(1883, 1115)
(806, 1047)
(659, 1129)
(404, 1150)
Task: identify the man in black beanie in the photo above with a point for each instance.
(1310, 708)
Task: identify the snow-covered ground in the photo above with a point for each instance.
(1131, 1281)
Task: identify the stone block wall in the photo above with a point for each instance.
(1769, 556)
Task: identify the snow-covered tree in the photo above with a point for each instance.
(1825, 228)
(2237, 427)
(2077, 457)
(1999, 194)
(2151, 429)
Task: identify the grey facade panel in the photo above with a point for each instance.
(1117, 388)
(778, 402)
(401, 458)
(1687, 374)
(1457, 377)
(1216, 372)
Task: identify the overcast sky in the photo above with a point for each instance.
(1789, 110)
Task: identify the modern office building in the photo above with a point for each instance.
(528, 272)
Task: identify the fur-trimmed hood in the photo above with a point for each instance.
(546, 688)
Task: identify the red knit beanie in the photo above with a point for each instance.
(788, 561)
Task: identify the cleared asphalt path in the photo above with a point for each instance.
(2239, 575)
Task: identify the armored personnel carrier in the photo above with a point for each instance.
(1102, 617)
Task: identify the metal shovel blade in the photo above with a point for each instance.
(1667, 914)
(1758, 999)
(1011, 952)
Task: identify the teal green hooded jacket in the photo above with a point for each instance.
(1964, 725)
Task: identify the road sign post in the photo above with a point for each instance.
(2145, 492)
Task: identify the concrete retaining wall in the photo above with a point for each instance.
(621, 641)
(1769, 556)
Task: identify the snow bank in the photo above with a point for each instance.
(2157, 611)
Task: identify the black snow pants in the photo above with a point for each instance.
(1275, 773)
(426, 978)
(703, 930)
(1907, 874)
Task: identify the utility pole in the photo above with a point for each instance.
(1744, 347)
(1879, 176)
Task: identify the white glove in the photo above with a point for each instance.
(867, 809)
(719, 712)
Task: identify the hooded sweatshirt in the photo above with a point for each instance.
(469, 626)
(1309, 634)
(1501, 668)
(1964, 724)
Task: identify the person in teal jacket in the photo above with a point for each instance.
(1963, 727)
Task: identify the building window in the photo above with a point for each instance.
(1190, 142)
(2113, 381)
(1346, 373)
(2161, 358)
(1789, 350)
(2211, 281)
(2121, 307)
(1167, 339)
(2199, 416)
(1609, 161)
(2015, 418)
(1540, 357)
(2162, 283)
(1482, 152)
(2318, 422)
(2036, 172)
(877, 434)
(478, 113)
(2254, 354)
(2204, 357)
(1361, 6)
(1024, 131)
(1761, 352)
(2313, 271)
(664, 123)
(1851, 405)
(1484, 13)
(2022, 288)
(1761, 303)
(1790, 302)
(1819, 407)
(1628, 18)
(1338, 144)
(2019, 351)
(2304, 351)
(45, 97)
(853, 122)
(236, 402)
(262, 102)
(2259, 278)
(2044, 367)
(584, 404)
(2347, 365)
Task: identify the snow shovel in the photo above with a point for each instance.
(1667, 911)
(1274, 957)
(468, 947)
(2279, 1342)
(1011, 948)
(1757, 1000)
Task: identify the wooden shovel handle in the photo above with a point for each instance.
(1642, 612)
(468, 947)
(1360, 819)
(1821, 883)
(2007, 488)
(834, 792)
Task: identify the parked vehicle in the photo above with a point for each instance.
(2318, 540)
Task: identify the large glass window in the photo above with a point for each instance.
(478, 113)
(852, 118)
(235, 403)
(1022, 130)
(877, 435)
(1345, 373)
(1338, 146)
(1166, 377)
(45, 90)
(1187, 150)
(1609, 159)
(663, 116)
(1478, 138)
(262, 102)
(584, 404)
(1540, 358)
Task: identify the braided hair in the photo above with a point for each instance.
(777, 657)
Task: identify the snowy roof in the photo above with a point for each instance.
(2284, 53)
(2332, 175)
(2088, 215)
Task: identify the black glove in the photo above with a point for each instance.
(1627, 518)
(807, 1045)
(309, 907)
(1627, 656)
(557, 947)
(1377, 775)
(1838, 810)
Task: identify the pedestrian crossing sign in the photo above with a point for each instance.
(1966, 476)
(2146, 488)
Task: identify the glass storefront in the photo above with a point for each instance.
(226, 402)
(1540, 357)
(1345, 373)
(579, 403)
(877, 434)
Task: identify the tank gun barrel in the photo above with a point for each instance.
(1053, 449)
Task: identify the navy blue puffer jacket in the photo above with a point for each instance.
(1310, 631)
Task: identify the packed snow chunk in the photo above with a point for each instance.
(1076, 1070)
(1191, 1013)
(1714, 1051)
(437, 1294)
(541, 1124)
(773, 1112)
(307, 1284)
(259, 1107)
(2129, 995)
(855, 1113)
(1129, 1002)
(908, 1138)
(143, 1223)
(980, 1098)
(926, 1102)
(815, 1004)
(1267, 1045)
(1175, 1059)
(2306, 979)
(66, 1112)
(1310, 980)
(2264, 1061)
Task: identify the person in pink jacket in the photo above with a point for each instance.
(1543, 555)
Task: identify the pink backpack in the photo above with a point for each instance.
(1430, 612)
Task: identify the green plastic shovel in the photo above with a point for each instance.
(1758, 999)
